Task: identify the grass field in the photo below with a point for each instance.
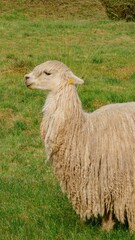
(102, 52)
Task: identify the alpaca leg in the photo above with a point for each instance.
(107, 223)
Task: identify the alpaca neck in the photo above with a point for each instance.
(65, 101)
(62, 113)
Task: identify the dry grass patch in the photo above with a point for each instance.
(62, 9)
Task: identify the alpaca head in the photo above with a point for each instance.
(50, 75)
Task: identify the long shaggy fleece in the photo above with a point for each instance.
(92, 154)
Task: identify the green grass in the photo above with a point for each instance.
(32, 205)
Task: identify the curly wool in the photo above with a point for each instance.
(92, 154)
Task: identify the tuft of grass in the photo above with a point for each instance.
(97, 59)
(20, 64)
(133, 77)
(113, 81)
(10, 56)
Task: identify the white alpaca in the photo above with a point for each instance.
(92, 154)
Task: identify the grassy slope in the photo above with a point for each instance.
(100, 51)
(55, 9)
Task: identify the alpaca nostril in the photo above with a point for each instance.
(26, 77)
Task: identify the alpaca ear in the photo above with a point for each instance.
(75, 80)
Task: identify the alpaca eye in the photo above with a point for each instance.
(47, 73)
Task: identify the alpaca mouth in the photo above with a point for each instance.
(28, 84)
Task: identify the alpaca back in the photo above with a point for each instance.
(110, 161)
